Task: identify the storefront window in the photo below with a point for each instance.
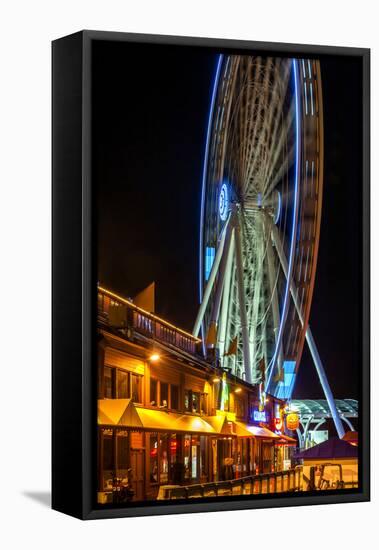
(122, 384)
(163, 458)
(203, 456)
(136, 388)
(122, 454)
(164, 395)
(153, 458)
(194, 456)
(108, 459)
(173, 449)
(174, 397)
(108, 383)
(187, 456)
(153, 391)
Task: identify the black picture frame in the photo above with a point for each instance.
(74, 282)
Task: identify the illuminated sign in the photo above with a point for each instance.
(224, 393)
(278, 422)
(259, 416)
(223, 202)
(292, 421)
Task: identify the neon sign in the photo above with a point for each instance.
(259, 416)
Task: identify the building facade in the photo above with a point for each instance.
(168, 417)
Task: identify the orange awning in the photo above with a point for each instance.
(242, 430)
(286, 440)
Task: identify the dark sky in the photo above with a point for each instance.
(150, 110)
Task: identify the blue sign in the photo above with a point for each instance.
(259, 416)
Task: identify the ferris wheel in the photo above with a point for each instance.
(260, 219)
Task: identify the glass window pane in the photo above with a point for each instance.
(108, 385)
(122, 384)
(187, 400)
(194, 456)
(187, 454)
(108, 461)
(164, 394)
(163, 458)
(153, 391)
(136, 388)
(195, 402)
(203, 403)
(153, 458)
(174, 397)
(122, 455)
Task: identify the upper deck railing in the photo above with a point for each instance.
(120, 313)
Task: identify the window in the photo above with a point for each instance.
(153, 391)
(122, 378)
(204, 403)
(108, 383)
(108, 459)
(122, 454)
(187, 456)
(239, 406)
(163, 470)
(136, 388)
(203, 456)
(174, 397)
(164, 395)
(195, 402)
(194, 456)
(187, 402)
(153, 458)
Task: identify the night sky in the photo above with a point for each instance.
(150, 111)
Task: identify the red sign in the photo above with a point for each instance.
(278, 422)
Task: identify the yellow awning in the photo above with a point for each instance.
(164, 420)
(117, 412)
(219, 424)
(124, 413)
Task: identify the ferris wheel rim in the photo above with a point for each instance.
(210, 193)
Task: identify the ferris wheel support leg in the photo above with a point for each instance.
(311, 343)
(211, 280)
(221, 329)
(324, 382)
(221, 275)
(242, 304)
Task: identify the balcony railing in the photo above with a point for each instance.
(123, 314)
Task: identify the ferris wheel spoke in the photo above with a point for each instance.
(262, 88)
(281, 149)
(274, 98)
